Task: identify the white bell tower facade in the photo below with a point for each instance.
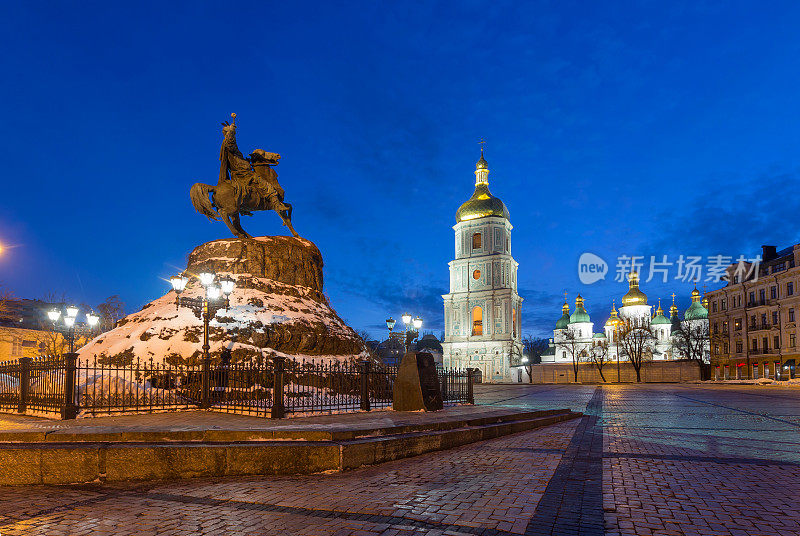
(482, 311)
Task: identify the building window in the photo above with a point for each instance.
(791, 315)
(775, 317)
(564, 354)
(714, 306)
(476, 241)
(477, 321)
(773, 292)
(790, 289)
(755, 345)
(735, 279)
(776, 342)
(725, 326)
(765, 345)
(737, 324)
(726, 347)
(476, 274)
(716, 326)
(752, 297)
(792, 340)
(514, 322)
(738, 347)
(762, 295)
(508, 245)
(722, 304)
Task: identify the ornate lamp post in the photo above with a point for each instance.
(68, 327)
(412, 326)
(205, 307)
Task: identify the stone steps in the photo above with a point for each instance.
(175, 455)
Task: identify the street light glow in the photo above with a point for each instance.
(92, 319)
(72, 312)
(54, 315)
(213, 292)
(226, 285)
(206, 278)
(178, 283)
(417, 323)
(406, 318)
(69, 321)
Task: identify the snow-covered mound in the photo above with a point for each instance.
(266, 314)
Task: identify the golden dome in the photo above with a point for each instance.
(481, 204)
(613, 319)
(634, 296)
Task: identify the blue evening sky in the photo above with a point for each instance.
(641, 128)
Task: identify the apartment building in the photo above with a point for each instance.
(752, 320)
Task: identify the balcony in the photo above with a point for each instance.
(761, 303)
(760, 327)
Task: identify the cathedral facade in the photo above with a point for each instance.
(574, 333)
(482, 310)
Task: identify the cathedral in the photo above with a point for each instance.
(575, 332)
(482, 310)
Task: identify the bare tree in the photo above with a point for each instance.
(636, 342)
(693, 341)
(110, 311)
(573, 346)
(534, 348)
(599, 356)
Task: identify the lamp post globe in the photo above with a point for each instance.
(226, 285)
(206, 278)
(54, 315)
(72, 311)
(390, 322)
(178, 283)
(417, 323)
(406, 318)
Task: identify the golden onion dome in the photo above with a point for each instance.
(634, 296)
(481, 205)
(613, 319)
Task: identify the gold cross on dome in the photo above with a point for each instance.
(565, 296)
(673, 298)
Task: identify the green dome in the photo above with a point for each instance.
(599, 336)
(580, 315)
(695, 312)
(563, 321)
(660, 319)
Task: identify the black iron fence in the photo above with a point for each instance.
(69, 387)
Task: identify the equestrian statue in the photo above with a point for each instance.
(245, 185)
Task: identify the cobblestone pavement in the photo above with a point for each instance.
(644, 460)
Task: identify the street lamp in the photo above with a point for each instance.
(205, 307)
(412, 326)
(68, 318)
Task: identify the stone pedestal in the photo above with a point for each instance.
(286, 259)
(417, 384)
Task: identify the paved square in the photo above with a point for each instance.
(644, 460)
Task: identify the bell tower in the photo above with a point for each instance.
(483, 309)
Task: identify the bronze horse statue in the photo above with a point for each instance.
(245, 185)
